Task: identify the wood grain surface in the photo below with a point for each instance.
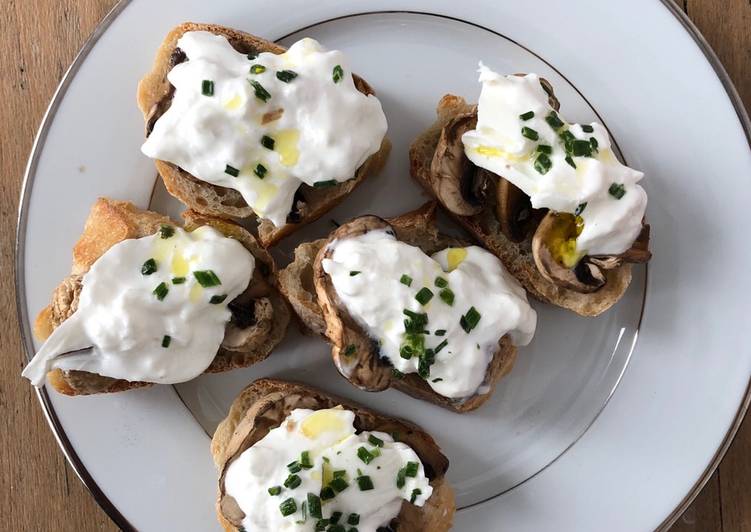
(38, 490)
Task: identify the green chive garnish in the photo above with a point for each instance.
(267, 142)
(543, 163)
(207, 87)
(470, 320)
(294, 467)
(440, 282)
(215, 300)
(437, 380)
(178, 280)
(365, 483)
(581, 148)
(440, 346)
(553, 121)
(617, 190)
(325, 184)
(530, 133)
(406, 279)
(415, 493)
(440, 332)
(526, 116)
(350, 350)
(593, 143)
(416, 322)
(377, 442)
(260, 171)
(292, 482)
(166, 231)
(335, 516)
(353, 519)
(339, 473)
(166, 340)
(544, 148)
(321, 525)
(406, 352)
(275, 490)
(411, 469)
(587, 129)
(206, 278)
(401, 477)
(148, 267)
(364, 455)
(286, 75)
(257, 69)
(231, 170)
(568, 139)
(161, 291)
(327, 493)
(305, 461)
(570, 161)
(354, 272)
(397, 374)
(314, 505)
(447, 296)
(288, 507)
(580, 208)
(426, 360)
(338, 484)
(424, 295)
(261, 93)
(337, 74)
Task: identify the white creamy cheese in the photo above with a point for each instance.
(226, 107)
(366, 474)
(155, 326)
(377, 278)
(600, 189)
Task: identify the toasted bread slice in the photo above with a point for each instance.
(323, 314)
(485, 227)
(265, 403)
(154, 98)
(265, 314)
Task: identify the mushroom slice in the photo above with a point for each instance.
(451, 171)
(514, 211)
(555, 258)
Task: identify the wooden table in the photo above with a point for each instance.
(39, 491)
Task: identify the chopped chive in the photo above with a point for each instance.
(440, 282)
(275, 490)
(337, 74)
(426, 360)
(377, 442)
(447, 296)
(325, 184)
(397, 374)
(305, 460)
(288, 507)
(587, 129)
(526, 116)
(161, 291)
(206, 278)
(334, 518)
(166, 340)
(416, 322)
(364, 483)
(544, 148)
(215, 300)
(406, 279)
(581, 148)
(568, 139)
(553, 121)
(424, 295)
(231, 170)
(178, 280)
(166, 231)
(148, 267)
(593, 143)
(530, 133)
(338, 484)
(437, 380)
(415, 493)
(617, 190)
(321, 525)
(412, 468)
(336, 528)
(353, 519)
(327, 493)
(260, 170)
(261, 93)
(350, 350)
(543, 163)
(252, 56)
(207, 87)
(470, 320)
(294, 467)
(401, 478)
(267, 142)
(440, 346)
(580, 208)
(364, 455)
(257, 69)
(440, 332)
(292, 482)
(354, 272)
(304, 512)
(570, 161)
(339, 473)
(314, 505)
(286, 75)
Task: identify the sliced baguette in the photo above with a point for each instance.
(154, 97)
(265, 403)
(112, 221)
(323, 313)
(485, 228)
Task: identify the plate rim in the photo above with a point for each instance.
(19, 251)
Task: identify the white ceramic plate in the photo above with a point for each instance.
(593, 429)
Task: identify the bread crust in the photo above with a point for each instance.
(111, 221)
(154, 96)
(265, 403)
(366, 369)
(517, 257)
